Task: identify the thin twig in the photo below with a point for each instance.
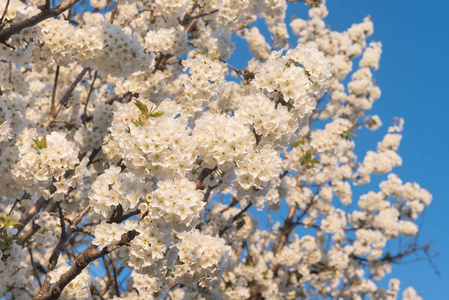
(138, 15)
(88, 97)
(13, 206)
(65, 98)
(114, 272)
(53, 92)
(61, 218)
(36, 275)
(235, 218)
(4, 14)
(85, 231)
(114, 11)
(108, 273)
(192, 23)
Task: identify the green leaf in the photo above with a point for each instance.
(141, 121)
(308, 160)
(42, 143)
(25, 196)
(296, 143)
(10, 239)
(3, 245)
(142, 107)
(313, 3)
(38, 143)
(346, 135)
(14, 223)
(157, 114)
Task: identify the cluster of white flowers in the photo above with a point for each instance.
(173, 9)
(221, 217)
(276, 126)
(167, 40)
(44, 161)
(108, 234)
(258, 168)
(304, 249)
(161, 158)
(297, 77)
(99, 4)
(110, 50)
(201, 258)
(58, 40)
(175, 203)
(106, 47)
(162, 147)
(50, 229)
(11, 257)
(150, 85)
(334, 222)
(371, 56)
(229, 97)
(222, 140)
(202, 86)
(384, 160)
(148, 251)
(148, 287)
(113, 188)
(11, 269)
(12, 123)
(230, 12)
(410, 294)
(215, 43)
(327, 139)
(19, 48)
(373, 123)
(274, 13)
(257, 44)
(363, 92)
(369, 242)
(12, 115)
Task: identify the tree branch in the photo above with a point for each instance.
(36, 19)
(53, 261)
(81, 262)
(113, 12)
(204, 173)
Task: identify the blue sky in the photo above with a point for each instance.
(412, 77)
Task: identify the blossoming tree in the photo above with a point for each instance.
(131, 152)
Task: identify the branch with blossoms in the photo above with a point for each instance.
(153, 167)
